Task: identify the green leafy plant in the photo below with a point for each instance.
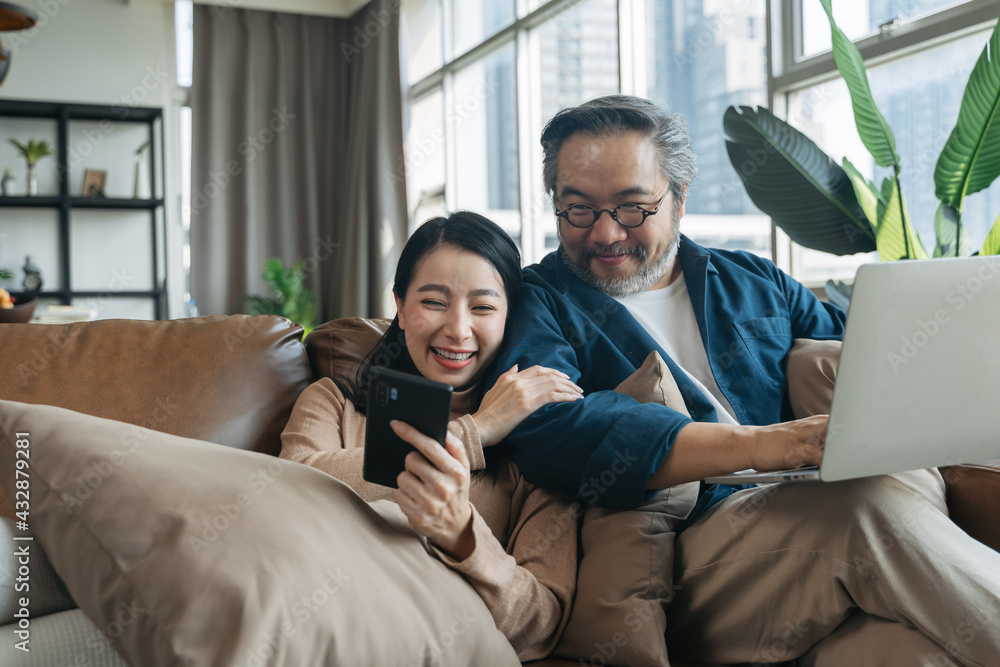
(833, 208)
(8, 172)
(6, 275)
(33, 151)
(141, 149)
(289, 297)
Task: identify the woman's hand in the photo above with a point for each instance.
(518, 394)
(434, 491)
(788, 444)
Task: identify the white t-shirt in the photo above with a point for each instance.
(668, 316)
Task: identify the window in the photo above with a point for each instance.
(862, 18)
(184, 22)
(701, 59)
(485, 77)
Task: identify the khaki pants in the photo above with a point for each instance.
(770, 572)
(859, 572)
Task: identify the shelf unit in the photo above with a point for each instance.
(65, 203)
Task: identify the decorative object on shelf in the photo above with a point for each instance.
(835, 209)
(60, 314)
(93, 183)
(16, 309)
(142, 189)
(6, 182)
(33, 151)
(289, 298)
(12, 17)
(32, 276)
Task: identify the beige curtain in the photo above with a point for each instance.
(297, 121)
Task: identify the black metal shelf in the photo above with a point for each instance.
(115, 203)
(45, 201)
(62, 114)
(109, 203)
(72, 111)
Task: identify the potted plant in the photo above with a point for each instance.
(289, 297)
(833, 208)
(33, 151)
(5, 183)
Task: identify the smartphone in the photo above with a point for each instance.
(423, 404)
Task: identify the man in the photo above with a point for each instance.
(751, 562)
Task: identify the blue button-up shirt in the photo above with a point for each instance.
(605, 447)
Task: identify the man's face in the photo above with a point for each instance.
(603, 172)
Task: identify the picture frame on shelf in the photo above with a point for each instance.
(94, 181)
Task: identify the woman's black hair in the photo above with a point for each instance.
(463, 229)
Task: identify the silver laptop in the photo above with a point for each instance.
(918, 384)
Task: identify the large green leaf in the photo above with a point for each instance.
(970, 159)
(872, 127)
(952, 241)
(889, 236)
(991, 246)
(788, 177)
(865, 191)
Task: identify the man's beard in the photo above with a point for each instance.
(640, 280)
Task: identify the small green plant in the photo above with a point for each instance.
(289, 297)
(33, 151)
(8, 173)
(141, 149)
(6, 275)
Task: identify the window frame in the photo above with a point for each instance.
(532, 201)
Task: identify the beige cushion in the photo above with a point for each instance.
(185, 552)
(626, 574)
(336, 348)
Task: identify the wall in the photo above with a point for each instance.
(96, 52)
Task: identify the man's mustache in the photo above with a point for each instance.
(613, 250)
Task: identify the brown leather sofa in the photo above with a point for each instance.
(233, 380)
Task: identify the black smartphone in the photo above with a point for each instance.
(423, 404)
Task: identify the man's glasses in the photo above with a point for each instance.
(627, 215)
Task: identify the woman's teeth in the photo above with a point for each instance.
(453, 356)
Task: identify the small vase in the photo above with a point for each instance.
(142, 190)
(32, 182)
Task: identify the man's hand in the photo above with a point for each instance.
(705, 450)
(516, 395)
(788, 444)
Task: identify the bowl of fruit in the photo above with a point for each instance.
(14, 309)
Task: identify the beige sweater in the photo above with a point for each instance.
(525, 557)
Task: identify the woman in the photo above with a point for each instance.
(455, 288)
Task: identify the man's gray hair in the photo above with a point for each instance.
(616, 114)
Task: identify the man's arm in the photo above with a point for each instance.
(811, 318)
(603, 448)
(704, 450)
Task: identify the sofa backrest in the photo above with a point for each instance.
(227, 379)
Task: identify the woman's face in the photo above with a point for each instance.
(453, 315)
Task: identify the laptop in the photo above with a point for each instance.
(918, 384)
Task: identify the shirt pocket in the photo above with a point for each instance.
(767, 340)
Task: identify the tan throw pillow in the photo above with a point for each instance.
(626, 574)
(186, 552)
